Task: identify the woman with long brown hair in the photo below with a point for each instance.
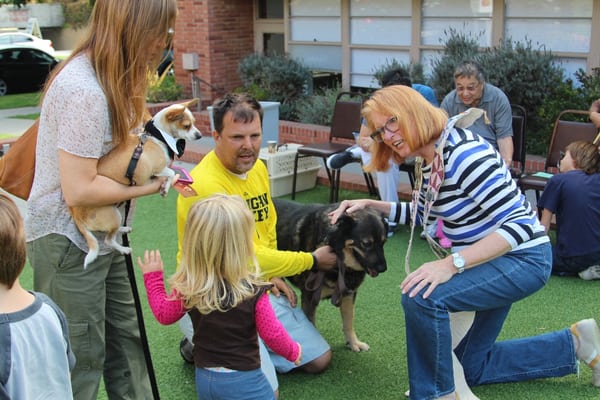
(91, 102)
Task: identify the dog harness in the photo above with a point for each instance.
(151, 130)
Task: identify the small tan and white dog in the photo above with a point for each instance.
(132, 162)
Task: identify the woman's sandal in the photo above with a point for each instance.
(587, 346)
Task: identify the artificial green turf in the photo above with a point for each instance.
(381, 372)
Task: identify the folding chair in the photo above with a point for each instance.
(346, 120)
(565, 132)
(519, 126)
(409, 168)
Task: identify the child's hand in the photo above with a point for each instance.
(299, 359)
(152, 261)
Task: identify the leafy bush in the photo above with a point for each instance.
(275, 78)
(525, 74)
(318, 108)
(565, 96)
(163, 88)
(459, 47)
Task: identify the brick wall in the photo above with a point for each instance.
(221, 33)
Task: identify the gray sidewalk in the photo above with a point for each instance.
(11, 126)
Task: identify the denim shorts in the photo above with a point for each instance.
(301, 330)
(233, 385)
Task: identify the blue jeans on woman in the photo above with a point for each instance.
(488, 289)
(233, 385)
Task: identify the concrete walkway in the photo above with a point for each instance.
(12, 126)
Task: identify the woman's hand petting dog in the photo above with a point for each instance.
(152, 261)
(347, 206)
(281, 287)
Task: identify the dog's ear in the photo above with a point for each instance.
(341, 231)
(191, 103)
(175, 112)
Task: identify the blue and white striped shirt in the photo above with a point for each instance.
(477, 197)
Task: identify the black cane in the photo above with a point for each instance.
(140, 315)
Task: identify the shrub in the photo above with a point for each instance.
(458, 47)
(164, 88)
(566, 95)
(525, 74)
(275, 78)
(318, 108)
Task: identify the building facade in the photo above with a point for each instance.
(353, 37)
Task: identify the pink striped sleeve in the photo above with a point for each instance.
(165, 310)
(272, 331)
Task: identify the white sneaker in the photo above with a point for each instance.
(591, 273)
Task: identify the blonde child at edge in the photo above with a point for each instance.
(219, 285)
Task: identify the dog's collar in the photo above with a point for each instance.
(173, 146)
(137, 153)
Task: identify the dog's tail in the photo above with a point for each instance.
(94, 219)
(91, 241)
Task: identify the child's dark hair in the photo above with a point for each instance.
(12, 242)
(396, 76)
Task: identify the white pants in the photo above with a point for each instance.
(387, 181)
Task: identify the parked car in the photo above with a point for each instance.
(24, 69)
(12, 39)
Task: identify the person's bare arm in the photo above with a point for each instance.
(595, 113)
(82, 186)
(506, 149)
(546, 219)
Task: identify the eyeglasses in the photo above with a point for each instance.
(392, 126)
(561, 155)
(470, 88)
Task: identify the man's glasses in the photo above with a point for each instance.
(392, 126)
(470, 88)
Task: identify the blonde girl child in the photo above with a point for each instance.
(219, 285)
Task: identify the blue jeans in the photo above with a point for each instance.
(238, 385)
(488, 289)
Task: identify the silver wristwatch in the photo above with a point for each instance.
(459, 262)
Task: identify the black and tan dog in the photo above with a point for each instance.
(358, 241)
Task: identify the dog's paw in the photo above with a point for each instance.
(124, 250)
(124, 229)
(358, 346)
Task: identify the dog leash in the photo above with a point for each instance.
(138, 311)
(314, 284)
